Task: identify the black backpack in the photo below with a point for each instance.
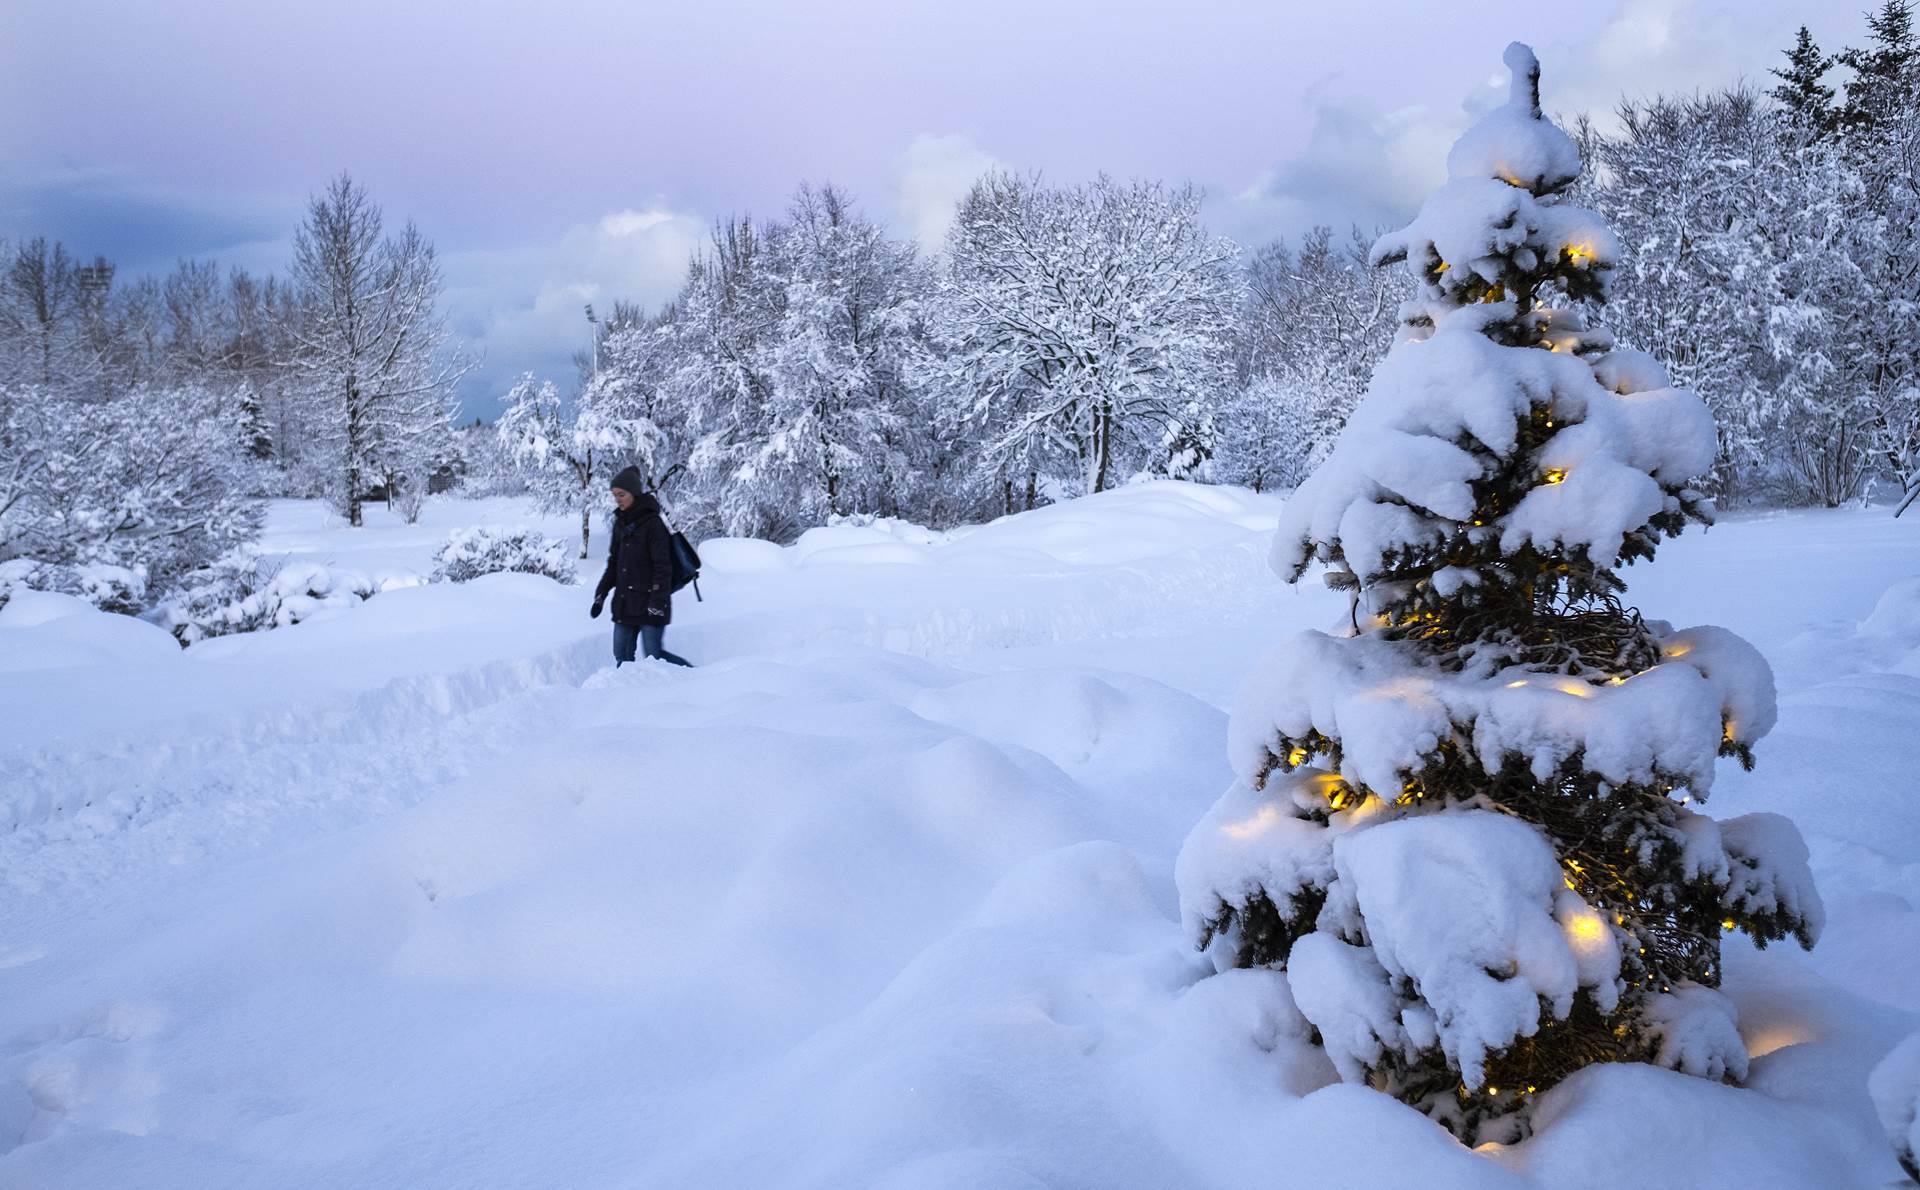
(686, 565)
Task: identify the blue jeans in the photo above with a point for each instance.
(652, 641)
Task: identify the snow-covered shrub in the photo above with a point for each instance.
(1464, 828)
(472, 552)
(1895, 1087)
(110, 588)
(123, 493)
(236, 593)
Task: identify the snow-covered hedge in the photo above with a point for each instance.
(237, 594)
(472, 552)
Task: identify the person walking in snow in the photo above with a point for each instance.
(639, 573)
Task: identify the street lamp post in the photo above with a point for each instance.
(595, 323)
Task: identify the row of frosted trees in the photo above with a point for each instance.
(1069, 338)
(813, 366)
(143, 421)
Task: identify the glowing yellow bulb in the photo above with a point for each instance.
(1296, 758)
(1587, 928)
(1579, 253)
(1555, 475)
(1727, 924)
(1442, 267)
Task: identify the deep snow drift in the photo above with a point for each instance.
(418, 893)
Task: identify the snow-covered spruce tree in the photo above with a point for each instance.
(1465, 829)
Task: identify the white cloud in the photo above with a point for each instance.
(1372, 167)
(1361, 165)
(933, 175)
(524, 308)
(1652, 47)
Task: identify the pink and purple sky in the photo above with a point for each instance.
(569, 152)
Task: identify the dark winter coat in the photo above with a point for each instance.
(639, 565)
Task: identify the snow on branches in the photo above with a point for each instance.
(1079, 324)
(1466, 827)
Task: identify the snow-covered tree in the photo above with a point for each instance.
(484, 468)
(1077, 324)
(1801, 92)
(1881, 141)
(41, 319)
(1466, 829)
(1308, 341)
(1884, 71)
(626, 410)
(837, 359)
(722, 326)
(151, 485)
(561, 468)
(370, 342)
(1699, 180)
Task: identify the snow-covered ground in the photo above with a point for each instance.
(420, 894)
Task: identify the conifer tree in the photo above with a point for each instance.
(1808, 101)
(1466, 829)
(1883, 72)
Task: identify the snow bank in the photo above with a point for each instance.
(422, 895)
(40, 630)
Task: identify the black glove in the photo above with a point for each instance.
(598, 601)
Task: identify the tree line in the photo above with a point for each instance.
(1064, 340)
(141, 423)
(1069, 338)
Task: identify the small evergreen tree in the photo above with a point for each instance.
(1465, 829)
(1808, 101)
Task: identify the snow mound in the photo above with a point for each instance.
(40, 630)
